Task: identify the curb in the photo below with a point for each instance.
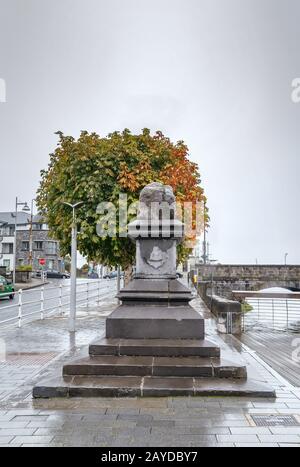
(33, 286)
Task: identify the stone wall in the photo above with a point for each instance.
(226, 277)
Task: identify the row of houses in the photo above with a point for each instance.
(33, 243)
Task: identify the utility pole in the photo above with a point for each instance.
(25, 209)
(72, 316)
(204, 256)
(31, 236)
(118, 280)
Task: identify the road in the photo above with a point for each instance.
(31, 307)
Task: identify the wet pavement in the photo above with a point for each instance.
(41, 347)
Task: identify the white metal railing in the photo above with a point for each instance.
(276, 313)
(47, 300)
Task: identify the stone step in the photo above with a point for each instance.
(154, 366)
(155, 347)
(116, 386)
(154, 322)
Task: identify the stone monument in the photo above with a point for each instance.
(154, 343)
(155, 305)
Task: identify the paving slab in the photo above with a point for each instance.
(110, 421)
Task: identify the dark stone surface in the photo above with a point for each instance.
(154, 387)
(154, 366)
(225, 369)
(105, 387)
(182, 366)
(158, 291)
(155, 347)
(149, 387)
(110, 365)
(155, 322)
(228, 387)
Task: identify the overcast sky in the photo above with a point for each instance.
(215, 73)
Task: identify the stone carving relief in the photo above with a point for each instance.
(157, 258)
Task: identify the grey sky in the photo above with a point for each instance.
(216, 73)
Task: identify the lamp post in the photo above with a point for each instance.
(25, 209)
(31, 235)
(285, 258)
(72, 317)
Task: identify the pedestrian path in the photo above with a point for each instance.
(279, 349)
(42, 346)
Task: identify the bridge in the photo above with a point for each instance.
(228, 277)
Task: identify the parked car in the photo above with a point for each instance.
(113, 275)
(54, 274)
(93, 275)
(6, 288)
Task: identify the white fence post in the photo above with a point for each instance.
(98, 301)
(42, 303)
(20, 308)
(60, 299)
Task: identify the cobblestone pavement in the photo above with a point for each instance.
(41, 346)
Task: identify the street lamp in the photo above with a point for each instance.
(285, 257)
(25, 209)
(72, 316)
(31, 235)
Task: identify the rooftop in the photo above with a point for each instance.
(22, 219)
(9, 218)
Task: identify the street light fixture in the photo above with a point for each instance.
(72, 317)
(24, 209)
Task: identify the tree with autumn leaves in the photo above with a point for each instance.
(94, 169)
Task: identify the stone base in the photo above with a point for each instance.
(131, 386)
(152, 367)
(155, 322)
(158, 291)
(155, 347)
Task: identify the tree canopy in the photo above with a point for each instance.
(93, 169)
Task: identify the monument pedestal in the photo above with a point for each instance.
(155, 343)
(155, 309)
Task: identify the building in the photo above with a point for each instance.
(33, 243)
(7, 232)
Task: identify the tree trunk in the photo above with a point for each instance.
(128, 274)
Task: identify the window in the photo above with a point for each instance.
(50, 264)
(6, 263)
(38, 246)
(7, 248)
(25, 246)
(37, 226)
(51, 248)
(7, 231)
